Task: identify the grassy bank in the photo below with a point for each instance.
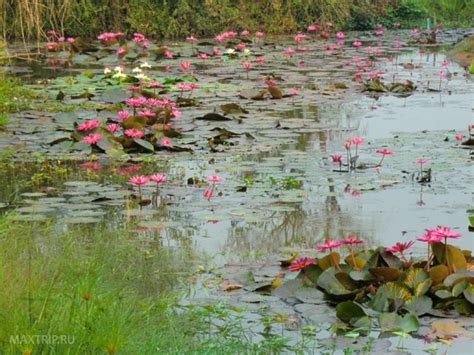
(177, 18)
(102, 289)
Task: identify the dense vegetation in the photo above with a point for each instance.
(177, 18)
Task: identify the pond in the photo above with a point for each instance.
(268, 131)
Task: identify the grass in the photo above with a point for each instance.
(14, 96)
(93, 290)
(101, 288)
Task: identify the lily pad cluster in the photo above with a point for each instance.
(395, 289)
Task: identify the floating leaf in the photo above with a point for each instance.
(349, 310)
(330, 283)
(385, 274)
(446, 329)
(233, 109)
(419, 305)
(144, 144)
(213, 116)
(275, 92)
(392, 322)
(463, 307)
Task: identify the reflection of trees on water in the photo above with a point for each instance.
(302, 228)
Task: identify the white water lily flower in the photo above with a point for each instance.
(145, 65)
(136, 70)
(107, 71)
(142, 77)
(119, 75)
(118, 69)
(246, 52)
(230, 51)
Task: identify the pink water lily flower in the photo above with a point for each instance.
(421, 161)
(133, 133)
(329, 245)
(203, 56)
(293, 91)
(259, 59)
(113, 127)
(259, 34)
(166, 141)
(340, 35)
(445, 232)
(89, 125)
(139, 180)
(384, 151)
(244, 33)
(241, 46)
(247, 65)
(136, 101)
(300, 263)
(92, 138)
(185, 65)
(459, 137)
(158, 178)
(400, 247)
(155, 84)
(357, 140)
(191, 38)
(357, 43)
(442, 74)
(214, 178)
(216, 52)
(122, 115)
(352, 239)
(336, 158)
(208, 193)
(289, 51)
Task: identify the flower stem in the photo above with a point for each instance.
(334, 261)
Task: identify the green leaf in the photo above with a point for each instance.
(346, 311)
(459, 288)
(413, 277)
(389, 322)
(385, 274)
(469, 293)
(455, 255)
(310, 274)
(329, 282)
(419, 305)
(422, 288)
(379, 302)
(392, 322)
(410, 323)
(443, 294)
(464, 307)
(327, 261)
(458, 277)
(144, 144)
(395, 290)
(438, 273)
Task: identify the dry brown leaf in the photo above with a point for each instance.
(446, 329)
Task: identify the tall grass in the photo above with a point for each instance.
(103, 289)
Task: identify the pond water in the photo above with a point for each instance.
(281, 192)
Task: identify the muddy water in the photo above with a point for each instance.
(382, 207)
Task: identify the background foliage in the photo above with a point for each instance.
(177, 18)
